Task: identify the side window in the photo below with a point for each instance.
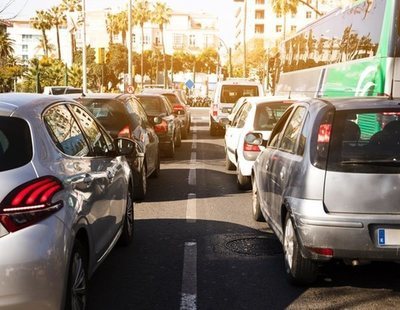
(96, 139)
(133, 114)
(237, 116)
(303, 137)
(275, 134)
(65, 132)
(140, 110)
(243, 116)
(167, 106)
(293, 130)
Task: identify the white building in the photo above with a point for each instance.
(27, 41)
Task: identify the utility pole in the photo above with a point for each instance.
(130, 42)
(244, 40)
(84, 67)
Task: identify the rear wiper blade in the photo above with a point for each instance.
(383, 162)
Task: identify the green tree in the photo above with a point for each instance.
(122, 24)
(207, 61)
(140, 15)
(75, 75)
(112, 26)
(161, 16)
(57, 19)
(6, 47)
(285, 7)
(42, 22)
(70, 7)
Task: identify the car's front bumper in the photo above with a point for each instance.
(350, 236)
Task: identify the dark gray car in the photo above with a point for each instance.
(328, 183)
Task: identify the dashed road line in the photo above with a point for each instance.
(189, 277)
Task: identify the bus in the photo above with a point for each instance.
(348, 52)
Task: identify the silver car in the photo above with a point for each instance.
(66, 199)
(328, 183)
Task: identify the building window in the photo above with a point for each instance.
(178, 40)
(293, 28)
(146, 39)
(133, 38)
(259, 14)
(278, 28)
(157, 41)
(278, 15)
(25, 58)
(308, 14)
(259, 29)
(192, 40)
(260, 1)
(25, 48)
(26, 37)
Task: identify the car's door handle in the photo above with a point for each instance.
(88, 179)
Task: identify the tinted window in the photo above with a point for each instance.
(275, 134)
(172, 98)
(292, 131)
(268, 114)
(15, 143)
(152, 105)
(65, 132)
(231, 93)
(96, 139)
(359, 147)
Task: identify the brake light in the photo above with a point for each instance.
(30, 203)
(178, 107)
(161, 128)
(251, 145)
(322, 251)
(250, 148)
(324, 133)
(125, 132)
(215, 110)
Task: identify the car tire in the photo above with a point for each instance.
(184, 132)
(213, 128)
(157, 169)
(228, 164)
(243, 182)
(141, 189)
(257, 214)
(299, 270)
(77, 285)
(178, 136)
(127, 229)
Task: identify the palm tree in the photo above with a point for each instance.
(122, 24)
(6, 48)
(111, 26)
(58, 18)
(140, 15)
(72, 6)
(284, 7)
(161, 16)
(42, 22)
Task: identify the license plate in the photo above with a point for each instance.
(387, 236)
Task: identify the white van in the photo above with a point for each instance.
(226, 94)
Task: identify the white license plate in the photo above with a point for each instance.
(388, 236)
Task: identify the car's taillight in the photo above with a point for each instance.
(251, 145)
(324, 133)
(29, 203)
(125, 132)
(162, 127)
(215, 110)
(322, 251)
(178, 107)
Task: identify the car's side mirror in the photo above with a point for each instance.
(125, 146)
(157, 120)
(225, 121)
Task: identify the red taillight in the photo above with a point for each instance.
(178, 107)
(324, 133)
(322, 251)
(29, 203)
(251, 148)
(161, 128)
(125, 132)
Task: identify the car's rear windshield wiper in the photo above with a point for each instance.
(380, 162)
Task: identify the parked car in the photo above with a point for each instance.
(166, 124)
(179, 105)
(328, 183)
(225, 95)
(248, 133)
(61, 90)
(122, 115)
(66, 198)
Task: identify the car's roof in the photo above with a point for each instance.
(149, 95)
(100, 96)
(264, 99)
(158, 91)
(362, 103)
(239, 82)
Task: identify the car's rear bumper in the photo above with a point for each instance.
(350, 236)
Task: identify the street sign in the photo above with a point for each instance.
(189, 84)
(130, 89)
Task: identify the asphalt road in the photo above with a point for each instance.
(197, 247)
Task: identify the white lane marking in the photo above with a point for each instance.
(189, 277)
(193, 158)
(191, 206)
(192, 176)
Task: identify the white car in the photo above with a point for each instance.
(252, 121)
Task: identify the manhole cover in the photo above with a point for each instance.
(256, 246)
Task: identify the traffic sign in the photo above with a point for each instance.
(189, 84)
(130, 89)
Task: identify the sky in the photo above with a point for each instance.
(223, 9)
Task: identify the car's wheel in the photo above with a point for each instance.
(178, 136)
(243, 182)
(141, 189)
(156, 171)
(299, 270)
(77, 287)
(257, 214)
(213, 128)
(228, 164)
(127, 229)
(184, 132)
(171, 148)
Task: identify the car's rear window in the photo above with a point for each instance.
(15, 143)
(365, 141)
(231, 93)
(152, 105)
(268, 114)
(172, 98)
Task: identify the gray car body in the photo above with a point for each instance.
(336, 210)
(34, 261)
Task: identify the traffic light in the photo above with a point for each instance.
(100, 55)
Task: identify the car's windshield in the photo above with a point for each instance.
(231, 93)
